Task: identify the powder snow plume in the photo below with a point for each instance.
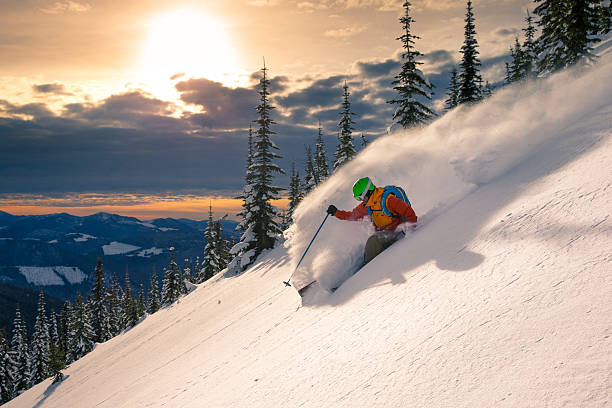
(440, 164)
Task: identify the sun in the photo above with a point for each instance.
(186, 43)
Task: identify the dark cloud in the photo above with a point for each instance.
(58, 89)
(506, 32)
(224, 107)
(36, 110)
(321, 93)
(378, 69)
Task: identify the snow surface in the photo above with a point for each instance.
(501, 298)
(51, 275)
(116, 248)
(82, 237)
(147, 253)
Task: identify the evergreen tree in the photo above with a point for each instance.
(82, 336)
(141, 308)
(171, 284)
(568, 29)
(115, 308)
(310, 181)
(259, 225)
(321, 166)
(605, 18)
(516, 70)
(295, 194)
(209, 263)
(470, 80)
(239, 250)
(40, 355)
(410, 83)
(364, 141)
(58, 354)
(65, 323)
(7, 365)
(21, 356)
(222, 246)
(130, 309)
(453, 91)
(153, 305)
(346, 149)
(530, 48)
(100, 315)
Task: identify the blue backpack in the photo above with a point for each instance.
(397, 192)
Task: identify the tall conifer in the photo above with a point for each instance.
(453, 91)
(568, 29)
(410, 83)
(100, 314)
(21, 355)
(470, 81)
(7, 366)
(260, 227)
(153, 305)
(40, 355)
(82, 336)
(321, 166)
(346, 149)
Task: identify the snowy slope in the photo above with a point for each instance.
(503, 297)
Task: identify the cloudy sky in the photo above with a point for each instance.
(142, 107)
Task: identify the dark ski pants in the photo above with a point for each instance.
(380, 241)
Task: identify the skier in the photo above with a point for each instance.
(387, 210)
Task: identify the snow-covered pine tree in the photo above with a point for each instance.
(210, 262)
(470, 81)
(568, 29)
(310, 181)
(20, 354)
(453, 91)
(82, 336)
(7, 365)
(153, 305)
(58, 355)
(605, 18)
(260, 224)
(295, 194)
(130, 312)
(346, 149)
(239, 249)
(40, 355)
(516, 67)
(410, 83)
(530, 48)
(141, 308)
(321, 166)
(115, 308)
(222, 246)
(172, 280)
(100, 315)
(66, 318)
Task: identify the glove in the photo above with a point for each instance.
(331, 210)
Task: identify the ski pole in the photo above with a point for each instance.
(288, 281)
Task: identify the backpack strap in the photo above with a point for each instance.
(397, 192)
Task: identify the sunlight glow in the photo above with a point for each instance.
(186, 44)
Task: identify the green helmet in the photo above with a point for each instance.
(362, 187)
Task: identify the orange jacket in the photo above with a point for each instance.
(397, 207)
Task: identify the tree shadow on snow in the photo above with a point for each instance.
(444, 238)
(50, 390)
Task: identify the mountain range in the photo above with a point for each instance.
(58, 252)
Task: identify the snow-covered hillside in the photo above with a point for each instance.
(503, 296)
